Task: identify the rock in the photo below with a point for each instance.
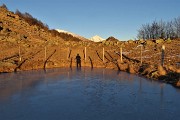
(131, 69)
(149, 42)
(146, 69)
(106, 43)
(111, 43)
(140, 41)
(168, 41)
(130, 41)
(67, 43)
(171, 68)
(154, 74)
(1, 28)
(123, 67)
(6, 67)
(161, 70)
(159, 41)
(178, 84)
(177, 70)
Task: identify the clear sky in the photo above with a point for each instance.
(118, 18)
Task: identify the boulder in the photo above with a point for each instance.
(130, 41)
(168, 41)
(67, 43)
(178, 83)
(171, 68)
(146, 70)
(159, 41)
(123, 67)
(178, 71)
(154, 74)
(161, 70)
(149, 42)
(131, 69)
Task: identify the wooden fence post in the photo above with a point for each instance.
(85, 54)
(141, 54)
(121, 54)
(20, 53)
(162, 55)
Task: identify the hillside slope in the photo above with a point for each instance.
(14, 28)
(25, 46)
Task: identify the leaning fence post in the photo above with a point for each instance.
(162, 55)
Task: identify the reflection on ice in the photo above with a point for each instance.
(85, 94)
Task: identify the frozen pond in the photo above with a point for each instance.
(98, 94)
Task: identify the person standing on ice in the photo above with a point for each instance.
(78, 61)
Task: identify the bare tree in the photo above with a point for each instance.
(141, 34)
(4, 6)
(169, 30)
(154, 30)
(177, 26)
(162, 26)
(161, 29)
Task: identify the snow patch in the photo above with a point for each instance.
(97, 38)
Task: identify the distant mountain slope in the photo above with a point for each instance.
(112, 39)
(97, 38)
(75, 36)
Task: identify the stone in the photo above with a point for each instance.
(130, 41)
(171, 68)
(161, 70)
(178, 83)
(159, 41)
(148, 42)
(131, 69)
(177, 70)
(123, 67)
(154, 74)
(67, 43)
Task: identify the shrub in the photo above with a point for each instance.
(31, 20)
(4, 6)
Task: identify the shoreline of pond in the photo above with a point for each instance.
(166, 74)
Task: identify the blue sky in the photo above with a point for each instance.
(118, 18)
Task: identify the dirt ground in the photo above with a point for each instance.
(30, 56)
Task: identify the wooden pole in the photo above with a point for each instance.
(162, 55)
(85, 54)
(103, 54)
(141, 54)
(20, 54)
(121, 53)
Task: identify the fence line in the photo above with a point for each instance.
(89, 54)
